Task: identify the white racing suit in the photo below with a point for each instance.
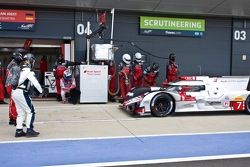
(22, 99)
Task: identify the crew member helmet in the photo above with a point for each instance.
(17, 57)
(155, 66)
(60, 60)
(172, 57)
(67, 75)
(29, 57)
(138, 57)
(126, 58)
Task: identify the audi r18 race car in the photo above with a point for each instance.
(191, 93)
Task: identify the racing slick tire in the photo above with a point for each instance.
(162, 105)
(248, 105)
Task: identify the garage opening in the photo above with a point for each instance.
(49, 49)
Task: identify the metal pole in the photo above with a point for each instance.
(199, 66)
(112, 26)
(88, 41)
(245, 24)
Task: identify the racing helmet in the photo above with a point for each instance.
(60, 60)
(126, 58)
(155, 66)
(29, 57)
(67, 75)
(138, 57)
(17, 57)
(171, 57)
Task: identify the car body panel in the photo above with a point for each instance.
(196, 93)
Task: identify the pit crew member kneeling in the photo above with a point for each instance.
(67, 84)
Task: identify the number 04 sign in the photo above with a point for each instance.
(240, 35)
(80, 29)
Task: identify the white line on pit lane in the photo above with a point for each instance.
(78, 106)
(157, 161)
(122, 137)
(91, 120)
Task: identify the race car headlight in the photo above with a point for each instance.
(134, 100)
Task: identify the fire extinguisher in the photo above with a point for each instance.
(113, 88)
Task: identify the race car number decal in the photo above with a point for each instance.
(237, 105)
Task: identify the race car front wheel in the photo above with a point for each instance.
(248, 105)
(162, 105)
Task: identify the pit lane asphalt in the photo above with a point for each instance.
(56, 121)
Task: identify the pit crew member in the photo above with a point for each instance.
(137, 70)
(20, 95)
(172, 69)
(12, 76)
(150, 75)
(124, 75)
(67, 83)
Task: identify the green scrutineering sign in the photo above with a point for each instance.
(171, 26)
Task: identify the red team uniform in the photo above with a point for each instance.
(124, 76)
(137, 71)
(172, 69)
(150, 75)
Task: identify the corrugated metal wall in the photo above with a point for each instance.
(240, 47)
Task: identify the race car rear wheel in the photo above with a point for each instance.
(248, 105)
(162, 105)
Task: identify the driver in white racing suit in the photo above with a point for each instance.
(24, 106)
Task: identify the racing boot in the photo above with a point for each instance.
(12, 122)
(20, 133)
(3, 102)
(58, 97)
(32, 133)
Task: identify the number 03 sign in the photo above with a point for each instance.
(240, 35)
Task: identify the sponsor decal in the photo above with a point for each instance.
(184, 96)
(188, 78)
(26, 26)
(237, 105)
(187, 98)
(234, 80)
(140, 111)
(17, 16)
(147, 31)
(92, 72)
(23, 20)
(238, 98)
(226, 102)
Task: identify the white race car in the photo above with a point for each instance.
(191, 93)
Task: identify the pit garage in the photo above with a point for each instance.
(41, 48)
